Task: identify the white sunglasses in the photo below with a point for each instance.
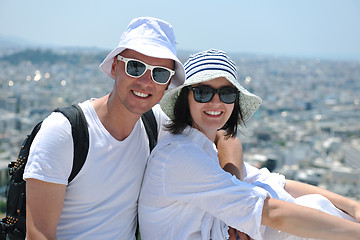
(137, 68)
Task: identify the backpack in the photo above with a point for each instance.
(13, 226)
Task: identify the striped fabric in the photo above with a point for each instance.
(209, 60)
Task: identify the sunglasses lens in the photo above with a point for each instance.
(203, 94)
(161, 75)
(228, 95)
(135, 68)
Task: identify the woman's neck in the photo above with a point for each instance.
(209, 133)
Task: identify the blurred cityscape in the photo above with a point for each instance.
(308, 127)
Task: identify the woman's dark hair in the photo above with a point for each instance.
(182, 116)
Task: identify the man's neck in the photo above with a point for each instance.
(116, 119)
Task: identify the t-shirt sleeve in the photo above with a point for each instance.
(195, 178)
(51, 152)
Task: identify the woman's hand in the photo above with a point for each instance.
(230, 154)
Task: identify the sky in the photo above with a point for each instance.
(310, 28)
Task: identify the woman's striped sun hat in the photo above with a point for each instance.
(205, 66)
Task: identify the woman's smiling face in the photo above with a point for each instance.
(211, 116)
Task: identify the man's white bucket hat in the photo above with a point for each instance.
(206, 66)
(152, 37)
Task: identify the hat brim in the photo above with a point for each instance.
(249, 102)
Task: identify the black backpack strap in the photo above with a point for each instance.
(150, 124)
(80, 134)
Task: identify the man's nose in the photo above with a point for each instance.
(146, 77)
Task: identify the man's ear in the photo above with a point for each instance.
(113, 67)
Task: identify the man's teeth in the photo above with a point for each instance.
(215, 113)
(140, 94)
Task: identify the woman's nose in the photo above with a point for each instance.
(216, 99)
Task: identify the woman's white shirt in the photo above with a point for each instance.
(184, 185)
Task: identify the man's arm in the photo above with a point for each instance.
(230, 154)
(44, 203)
(297, 189)
(307, 222)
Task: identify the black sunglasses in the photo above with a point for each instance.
(204, 94)
(137, 68)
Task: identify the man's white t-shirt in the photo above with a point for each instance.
(101, 201)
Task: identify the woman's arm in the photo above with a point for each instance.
(297, 189)
(288, 217)
(307, 222)
(230, 154)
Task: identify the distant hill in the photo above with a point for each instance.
(38, 56)
(7, 42)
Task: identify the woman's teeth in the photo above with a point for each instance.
(214, 113)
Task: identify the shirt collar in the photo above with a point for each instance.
(200, 139)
